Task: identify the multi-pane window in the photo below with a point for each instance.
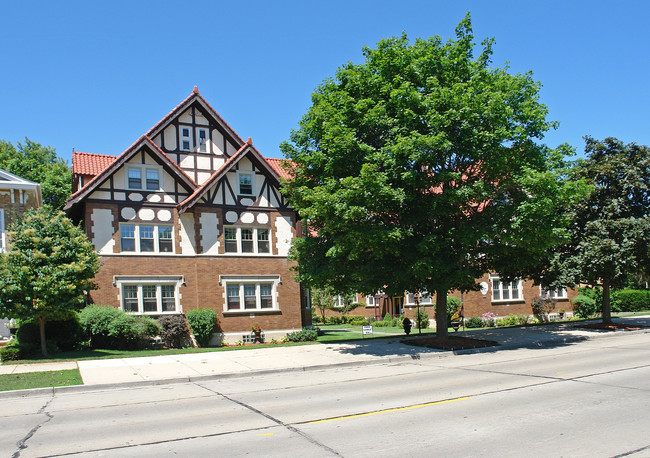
(186, 139)
(145, 238)
(370, 301)
(151, 298)
(135, 178)
(246, 183)
(153, 180)
(559, 293)
(230, 237)
(203, 140)
(136, 174)
(250, 295)
(425, 298)
(506, 291)
(246, 240)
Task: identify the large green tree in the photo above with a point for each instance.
(610, 229)
(412, 169)
(40, 164)
(49, 266)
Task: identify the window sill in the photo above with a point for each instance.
(509, 301)
(252, 312)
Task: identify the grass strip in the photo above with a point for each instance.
(27, 380)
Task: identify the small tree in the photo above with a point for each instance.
(49, 266)
(322, 300)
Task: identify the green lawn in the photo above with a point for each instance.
(27, 380)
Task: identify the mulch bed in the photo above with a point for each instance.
(612, 327)
(451, 343)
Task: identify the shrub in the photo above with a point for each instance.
(542, 306)
(630, 300)
(351, 318)
(388, 318)
(474, 322)
(11, 352)
(362, 322)
(202, 323)
(315, 318)
(522, 319)
(488, 319)
(65, 334)
(422, 319)
(584, 306)
(510, 320)
(305, 335)
(108, 327)
(334, 320)
(453, 306)
(174, 331)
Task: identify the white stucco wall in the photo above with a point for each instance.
(283, 234)
(102, 230)
(209, 233)
(188, 243)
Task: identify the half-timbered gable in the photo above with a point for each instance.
(196, 138)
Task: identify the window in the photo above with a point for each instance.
(156, 295)
(246, 183)
(506, 291)
(246, 240)
(425, 298)
(151, 176)
(343, 301)
(203, 140)
(153, 182)
(250, 294)
(370, 301)
(135, 178)
(186, 143)
(559, 293)
(140, 238)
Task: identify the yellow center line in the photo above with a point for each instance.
(417, 406)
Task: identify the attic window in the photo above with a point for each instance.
(135, 178)
(246, 183)
(153, 182)
(203, 140)
(185, 139)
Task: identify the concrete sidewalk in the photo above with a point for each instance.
(248, 362)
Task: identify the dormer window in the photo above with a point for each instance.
(186, 139)
(246, 183)
(203, 140)
(135, 178)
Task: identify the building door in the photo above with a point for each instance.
(398, 306)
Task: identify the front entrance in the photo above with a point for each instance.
(398, 306)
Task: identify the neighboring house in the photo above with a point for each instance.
(495, 296)
(190, 216)
(16, 196)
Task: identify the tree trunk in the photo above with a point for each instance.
(441, 313)
(607, 308)
(41, 328)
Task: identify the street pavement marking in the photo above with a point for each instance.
(266, 434)
(417, 406)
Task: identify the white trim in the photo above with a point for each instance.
(255, 240)
(158, 281)
(240, 173)
(207, 139)
(144, 168)
(509, 289)
(3, 237)
(257, 280)
(156, 238)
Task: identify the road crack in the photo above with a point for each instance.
(21, 444)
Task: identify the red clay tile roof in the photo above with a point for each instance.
(278, 166)
(89, 163)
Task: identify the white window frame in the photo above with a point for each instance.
(156, 239)
(181, 138)
(158, 281)
(3, 237)
(240, 282)
(560, 293)
(144, 168)
(207, 140)
(519, 289)
(425, 298)
(371, 301)
(256, 240)
(241, 173)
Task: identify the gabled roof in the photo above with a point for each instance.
(89, 163)
(246, 149)
(15, 181)
(194, 97)
(142, 142)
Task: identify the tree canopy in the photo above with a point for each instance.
(609, 234)
(49, 265)
(412, 168)
(39, 164)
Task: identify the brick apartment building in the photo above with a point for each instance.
(190, 216)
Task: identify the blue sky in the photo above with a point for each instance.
(94, 76)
